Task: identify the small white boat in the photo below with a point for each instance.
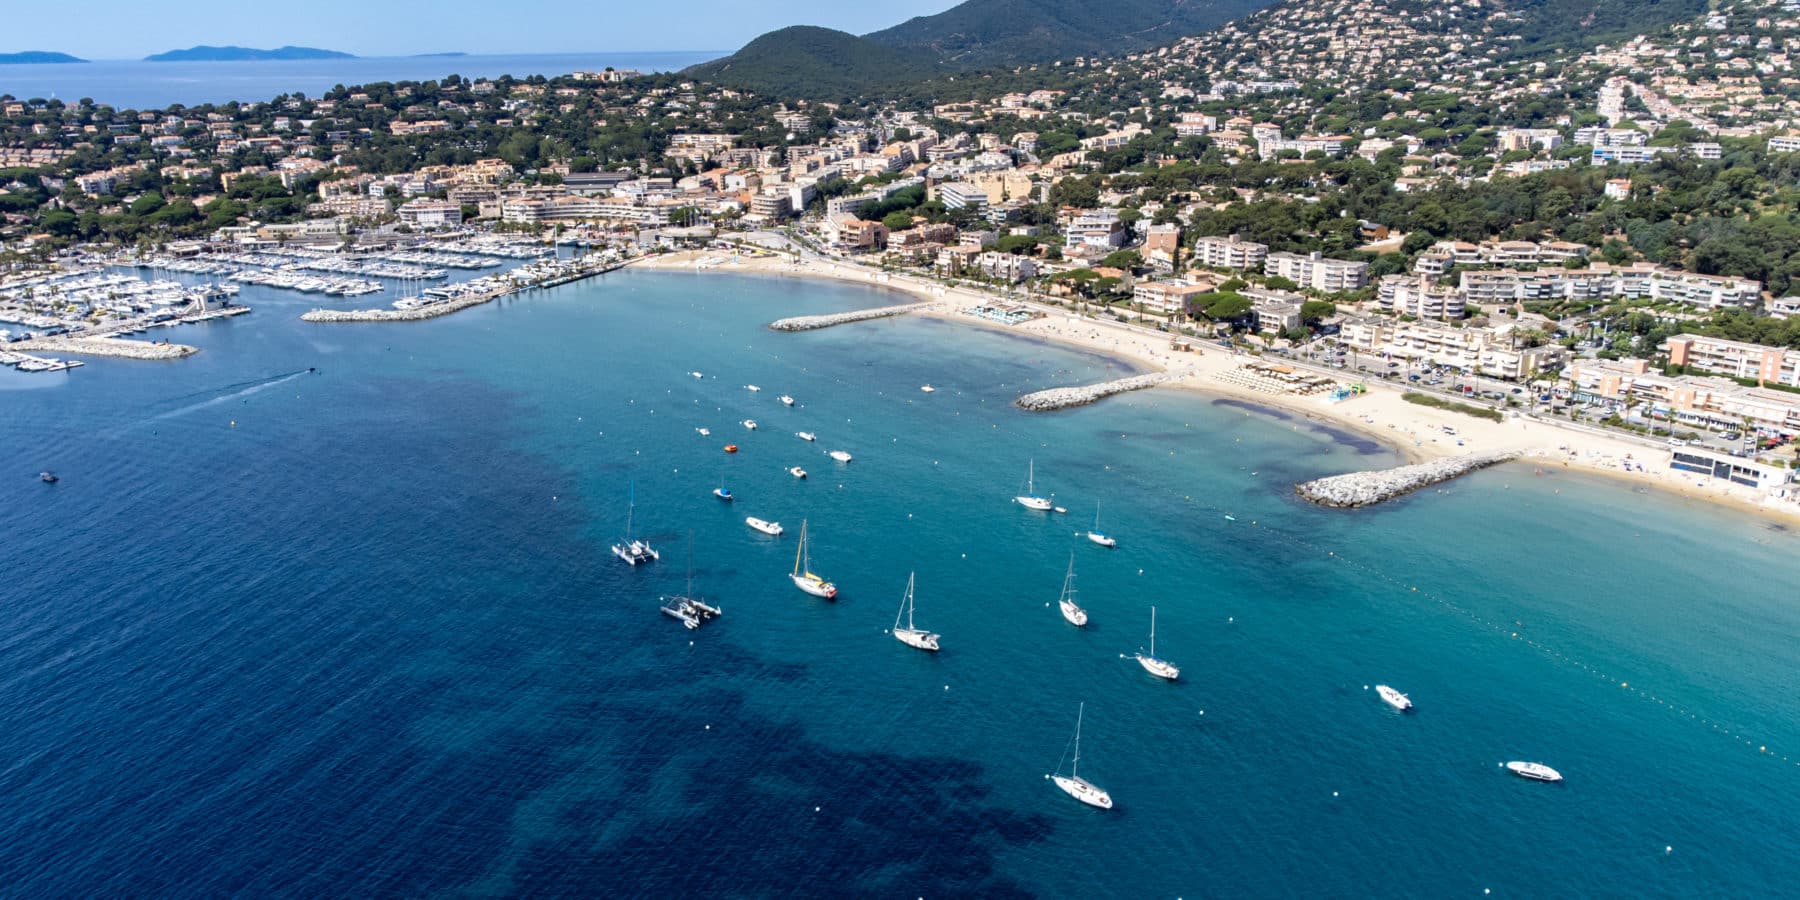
(840, 455)
(928, 389)
(910, 636)
(1073, 784)
(803, 576)
(1533, 771)
(723, 493)
(750, 424)
(806, 435)
(1030, 499)
(751, 387)
(769, 528)
(796, 471)
(1159, 668)
(696, 374)
(1096, 535)
(1394, 698)
(704, 432)
(1075, 615)
(785, 399)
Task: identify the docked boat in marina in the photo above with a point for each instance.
(840, 455)
(1030, 499)
(786, 400)
(634, 551)
(796, 471)
(1394, 698)
(1533, 771)
(1075, 615)
(1073, 784)
(1096, 535)
(1153, 665)
(769, 528)
(803, 576)
(806, 435)
(910, 636)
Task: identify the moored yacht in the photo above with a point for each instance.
(1153, 665)
(927, 388)
(803, 576)
(797, 472)
(766, 527)
(1098, 536)
(750, 424)
(1394, 698)
(786, 400)
(840, 455)
(806, 435)
(1075, 615)
(1073, 784)
(48, 477)
(751, 387)
(1030, 499)
(1533, 771)
(910, 636)
(631, 550)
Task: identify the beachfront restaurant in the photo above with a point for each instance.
(1734, 469)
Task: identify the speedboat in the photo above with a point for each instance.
(797, 472)
(750, 424)
(696, 374)
(704, 432)
(840, 455)
(806, 435)
(48, 477)
(772, 529)
(1533, 771)
(787, 400)
(927, 389)
(1394, 698)
(751, 387)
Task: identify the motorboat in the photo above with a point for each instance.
(1030, 499)
(786, 400)
(772, 529)
(928, 389)
(1533, 771)
(806, 435)
(1073, 784)
(48, 477)
(750, 424)
(1394, 698)
(696, 374)
(796, 471)
(840, 455)
(704, 432)
(730, 448)
(752, 388)
(803, 576)
(910, 636)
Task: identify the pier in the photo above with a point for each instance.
(1359, 489)
(107, 346)
(812, 323)
(415, 314)
(1065, 397)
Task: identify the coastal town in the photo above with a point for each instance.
(1592, 238)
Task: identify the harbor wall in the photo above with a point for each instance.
(810, 323)
(1359, 489)
(1065, 397)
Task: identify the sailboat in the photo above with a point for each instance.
(1070, 611)
(910, 636)
(722, 492)
(634, 552)
(1030, 499)
(803, 577)
(1151, 664)
(1073, 784)
(1098, 536)
(688, 609)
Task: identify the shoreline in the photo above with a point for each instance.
(1414, 433)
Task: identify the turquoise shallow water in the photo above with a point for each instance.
(370, 640)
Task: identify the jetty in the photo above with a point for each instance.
(1369, 488)
(415, 314)
(543, 274)
(1065, 397)
(811, 323)
(106, 346)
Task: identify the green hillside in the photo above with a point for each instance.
(805, 61)
(1007, 32)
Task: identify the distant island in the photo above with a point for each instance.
(204, 53)
(37, 57)
(447, 55)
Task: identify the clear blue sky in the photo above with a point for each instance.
(129, 29)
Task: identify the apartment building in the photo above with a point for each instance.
(1419, 297)
(1166, 297)
(1603, 282)
(1491, 352)
(1274, 312)
(1314, 271)
(1229, 253)
(847, 232)
(1006, 267)
(961, 194)
(1735, 359)
(1784, 143)
(424, 213)
(1097, 229)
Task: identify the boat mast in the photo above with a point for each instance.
(905, 604)
(801, 549)
(1075, 767)
(1031, 478)
(1152, 632)
(1069, 579)
(630, 507)
(690, 587)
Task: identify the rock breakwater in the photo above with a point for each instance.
(810, 323)
(1065, 397)
(1369, 488)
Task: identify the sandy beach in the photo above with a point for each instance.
(1417, 432)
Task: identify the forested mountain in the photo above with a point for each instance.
(1007, 32)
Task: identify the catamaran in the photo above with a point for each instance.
(803, 577)
(1073, 784)
(1070, 611)
(688, 609)
(910, 636)
(1030, 499)
(1096, 535)
(634, 551)
(1151, 664)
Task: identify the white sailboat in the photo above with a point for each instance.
(1151, 664)
(1098, 536)
(1073, 784)
(1070, 611)
(910, 636)
(1030, 499)
(803, 576)
(634, 552)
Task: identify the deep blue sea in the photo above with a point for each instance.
(358, 632)
(138, 84)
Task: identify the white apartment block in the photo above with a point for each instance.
(430, 214)
(1603, 282)
(1403, 295)
(1784, 143)
(1314, 271)
(1491, 352)
(1229, 253)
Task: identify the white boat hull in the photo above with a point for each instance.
(1075, 615)
(915, 637)
(1037, 503)
(1158, 668)
(1534, 771)
(1083, 790)
(816, 586)
(1394, 698)
(797, 472)
(840, 456)
(636, 552)
(806, 435)
(772, 529)
(1102, 539)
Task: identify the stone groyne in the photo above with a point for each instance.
(809, 323)
(1369, 488)
(1064, 397)
(105, 346)
(400, 315)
